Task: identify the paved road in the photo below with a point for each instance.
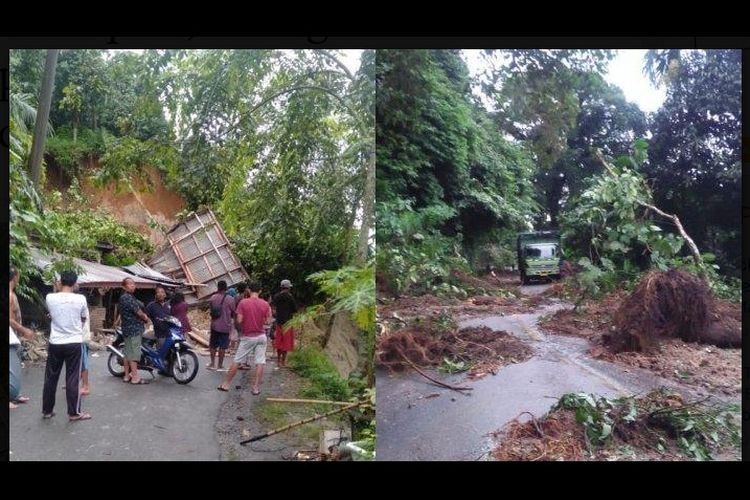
(420, 421)
(159, 421)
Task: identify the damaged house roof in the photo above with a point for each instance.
(97, 275)
(142, 270)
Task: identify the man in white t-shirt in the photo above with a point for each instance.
(69, 312)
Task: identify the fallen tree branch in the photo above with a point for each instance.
(443, 384)
(675, 220)
(691, 244)
(669, 409)
(536, 424)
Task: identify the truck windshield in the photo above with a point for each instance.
(541, 251)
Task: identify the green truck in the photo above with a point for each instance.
(539, 255)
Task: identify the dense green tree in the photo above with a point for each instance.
(695, 151)
(444, 170)
(454, 179)
(279, 143)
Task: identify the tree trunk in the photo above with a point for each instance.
(675, 220)
(348, 255)
(42, 116)
(554, 193)
(368, 206)
(75, 131)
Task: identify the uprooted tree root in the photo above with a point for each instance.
(482, 348)
(556, 437)
(659, 425)
(671, 304)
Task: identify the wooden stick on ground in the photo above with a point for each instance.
(198, 339)
(443, 384)
(310, 401)
(302, 422)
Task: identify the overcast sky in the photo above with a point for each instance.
(625, 70)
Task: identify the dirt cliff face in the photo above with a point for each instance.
(150, 202)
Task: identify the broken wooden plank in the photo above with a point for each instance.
(198, 339)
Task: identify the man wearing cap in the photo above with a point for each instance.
(285, 307)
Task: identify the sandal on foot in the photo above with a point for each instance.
(21, 400)
(80, 416)
(47, 416)
(140, 382)
(222, 389)
(255, 393)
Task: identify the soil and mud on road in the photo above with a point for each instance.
(511, 372)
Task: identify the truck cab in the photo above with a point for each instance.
(539, 255)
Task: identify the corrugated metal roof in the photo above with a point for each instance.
(97, 275)
(142, 270)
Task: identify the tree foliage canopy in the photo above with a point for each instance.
(275, 141)
(457, 182)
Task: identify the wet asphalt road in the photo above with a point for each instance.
(418, 420)
(160, 421)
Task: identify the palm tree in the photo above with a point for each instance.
(22, 118)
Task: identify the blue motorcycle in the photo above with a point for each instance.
(175, 358)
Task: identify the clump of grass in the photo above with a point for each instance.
(324, 382)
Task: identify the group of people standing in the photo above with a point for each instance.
(239, 316)
(245, 317)
(69, 334)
